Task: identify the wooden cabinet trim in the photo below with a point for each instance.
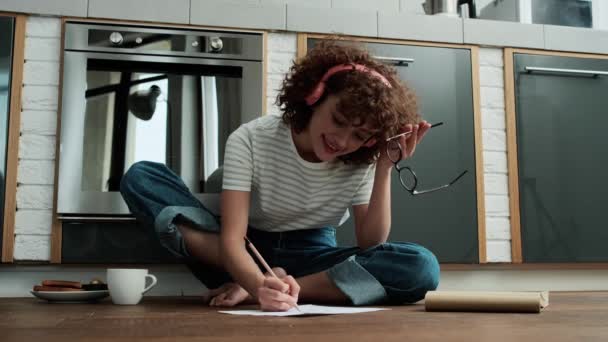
(12, 156)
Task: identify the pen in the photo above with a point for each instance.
(261, 259)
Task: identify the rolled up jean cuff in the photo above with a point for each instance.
(201, 218)
(169, 235)
(357, 283)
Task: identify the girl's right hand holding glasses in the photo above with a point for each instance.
(403, 145)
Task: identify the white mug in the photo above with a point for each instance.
(128, 285)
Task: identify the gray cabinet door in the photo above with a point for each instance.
(444, 221)
(6, 58)
(561, 118)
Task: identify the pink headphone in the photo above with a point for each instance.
(318, 90)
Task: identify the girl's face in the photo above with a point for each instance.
(333, 135)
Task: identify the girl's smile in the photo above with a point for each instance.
(331, 147)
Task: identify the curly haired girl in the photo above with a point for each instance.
(288, 182)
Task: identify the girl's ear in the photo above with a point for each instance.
(371, 142)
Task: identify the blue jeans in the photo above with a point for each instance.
(388, 273)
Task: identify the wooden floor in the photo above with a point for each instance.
(569, 317)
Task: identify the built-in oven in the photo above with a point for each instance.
(133, 93)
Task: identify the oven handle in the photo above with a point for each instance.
(395, 60)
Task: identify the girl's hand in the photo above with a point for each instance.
(408, 143)
(278, 294)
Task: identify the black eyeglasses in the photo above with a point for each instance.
(407, 176)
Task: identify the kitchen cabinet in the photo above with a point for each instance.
(560, 123)
(6, 57)
(446, 221)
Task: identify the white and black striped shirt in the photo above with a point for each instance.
(288, 192)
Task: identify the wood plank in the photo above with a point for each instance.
(481, 207)
(569, 317)
(264, 71)
(157, 24)
(560, 53)
(527, 266)
(14, 127)
(512, 167)
(302, 45)
(392, 41)
(56, 226)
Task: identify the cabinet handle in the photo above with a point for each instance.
(395, 60)
(593, 73)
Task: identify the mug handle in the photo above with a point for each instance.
(151, 285)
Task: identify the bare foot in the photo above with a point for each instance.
(230, 294)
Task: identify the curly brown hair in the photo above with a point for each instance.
(363, 98)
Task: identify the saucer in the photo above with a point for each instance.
(71, 296)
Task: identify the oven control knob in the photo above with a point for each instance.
(116, 38)
(216, 44)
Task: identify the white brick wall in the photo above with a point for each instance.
(39, 121)
(38, 97)
(37, 143)
(498, 235)
(42, 48)
(281, 54)
(33, 146)
(33, 222)
(32, 247)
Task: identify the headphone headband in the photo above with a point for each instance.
(319, 89)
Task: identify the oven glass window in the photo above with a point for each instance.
(175, 114)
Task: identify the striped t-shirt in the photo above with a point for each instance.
(288, 192)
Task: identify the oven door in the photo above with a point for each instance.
(118, 109)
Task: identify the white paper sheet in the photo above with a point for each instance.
(306, 310)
